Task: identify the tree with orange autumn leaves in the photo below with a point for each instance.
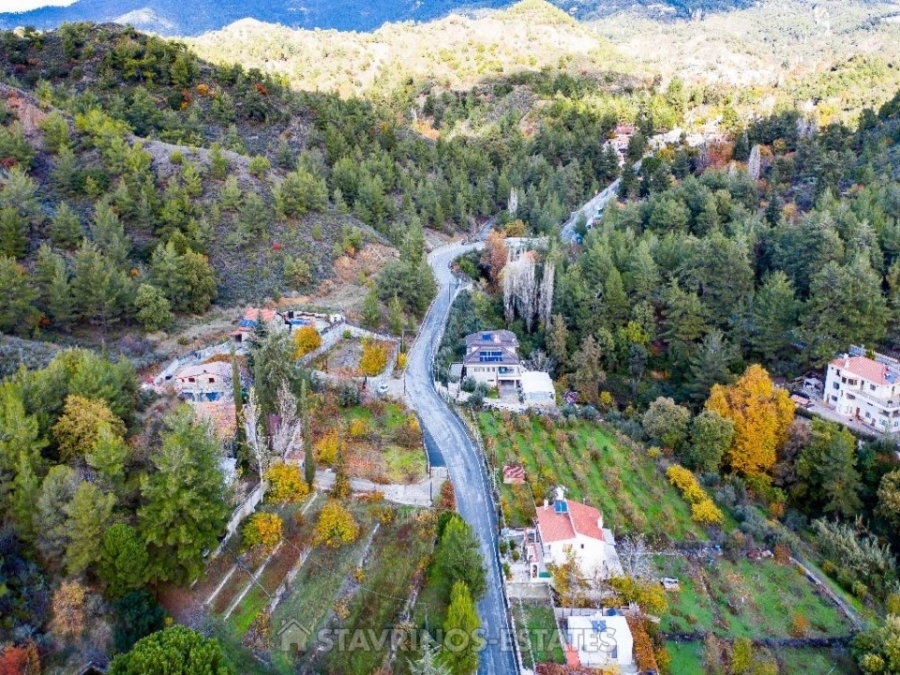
(494, 256)
(761, 415)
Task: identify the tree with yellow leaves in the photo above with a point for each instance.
(374, 357)
(306, 340)
(326, 448)
(263, 530)
(79, 426)
(705, 512)
(335, 526)
(286, 484)
(761, 415)
(68, 610)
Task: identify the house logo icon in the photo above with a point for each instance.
(293, 636)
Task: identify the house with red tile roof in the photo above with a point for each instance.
(568, 526)
(865, 389)
(250, 320)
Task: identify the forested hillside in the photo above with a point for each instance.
(181, 172)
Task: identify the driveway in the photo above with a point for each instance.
(463, 460)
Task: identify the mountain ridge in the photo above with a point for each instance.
(171, 18)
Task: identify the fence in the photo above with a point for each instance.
(249, 506)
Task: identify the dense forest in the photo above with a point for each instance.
(141, 182)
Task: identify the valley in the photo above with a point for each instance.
(521, 339)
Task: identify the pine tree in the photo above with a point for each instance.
(65, 228)
(461, 650)
(109, 235)
(98, 289)
(17, 297)
(826, 470)
(371, 311)
(13, 233)
(309, 460)
(588, 374)
(557, 341)
(49, 516)
(107, 457)
(153, 310)
(89, 515)
(218, 164)
(395, 315)
(184, 508)
(122, 560)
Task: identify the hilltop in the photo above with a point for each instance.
(835, 57)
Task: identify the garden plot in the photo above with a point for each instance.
(755, 600)
(367, 584)
(537, 633)
(382, 441)
(624, 483)
(355, 357)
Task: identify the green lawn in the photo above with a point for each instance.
(544, 641)
(745, 599)
(687, 657)
(624, 484)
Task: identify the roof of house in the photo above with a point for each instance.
(556, 525)
(492, 338)
(864, 367)
(219, 368)
(257, 313)
(535, 381)
(597, 624)
(508, 356)
(221, 417)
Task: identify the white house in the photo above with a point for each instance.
(492, 357)
(866, 390)
(537, 388)
(206, 382)
(565, 526)
(602, 640)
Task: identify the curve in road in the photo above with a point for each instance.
(463, 460)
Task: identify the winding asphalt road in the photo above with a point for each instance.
(463, 460)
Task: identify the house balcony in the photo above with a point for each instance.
(887, 404)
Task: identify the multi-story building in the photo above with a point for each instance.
(492, 357)
(866, 390)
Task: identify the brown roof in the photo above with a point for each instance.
(221, 417)
(863, 367)
(256, 314)
(578, 519)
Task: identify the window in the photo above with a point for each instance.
(834, 398)
(872, 387)
(835, 385)
(191, 379)
(211, 380)
(582, 546)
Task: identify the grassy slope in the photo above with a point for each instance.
(624, 484)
